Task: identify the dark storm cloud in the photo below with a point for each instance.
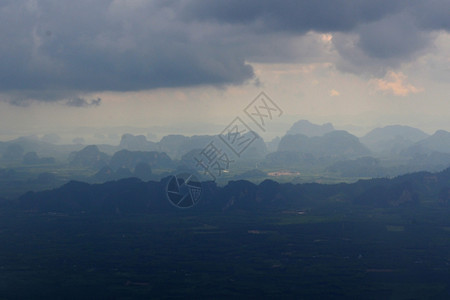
(92, 46)
(372, 36)
(381, 39)
(292, 15)
(59, 49)
(432, 14)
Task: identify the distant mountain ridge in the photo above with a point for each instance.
(89, 156)
(136, 143)
(337, 143)
(318, 150)
(393, 138)
(130, 159)
(134, 196)
(309, 129)
(439, 141)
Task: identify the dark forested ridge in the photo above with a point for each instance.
(373, 239)
(135, 196)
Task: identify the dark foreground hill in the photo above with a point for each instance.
(374, 239)
(135, 196)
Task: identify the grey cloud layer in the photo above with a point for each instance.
(95, 46)
(60, 49)
(293, 15)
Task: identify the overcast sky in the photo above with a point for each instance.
(191, 64)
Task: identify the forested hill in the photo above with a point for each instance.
(135, 196)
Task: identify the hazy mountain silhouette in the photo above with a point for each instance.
(321, 149)
(435, 148)
(104, 174)
(309, 129)
(256, 150)
(136, 143)
(188, 162)
(178, 145)
(143, 171)
(130, 159)
(337, 143)
(13, 152)
(123, 172)
(392, 139)
(439, 141)
(90, 156)
(31, 158)
(432, 161)
(272, 146)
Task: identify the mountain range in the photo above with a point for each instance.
(309, 129)
(392, 139)
(135, 196)
(308, 152)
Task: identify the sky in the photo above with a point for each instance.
(98, 69)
